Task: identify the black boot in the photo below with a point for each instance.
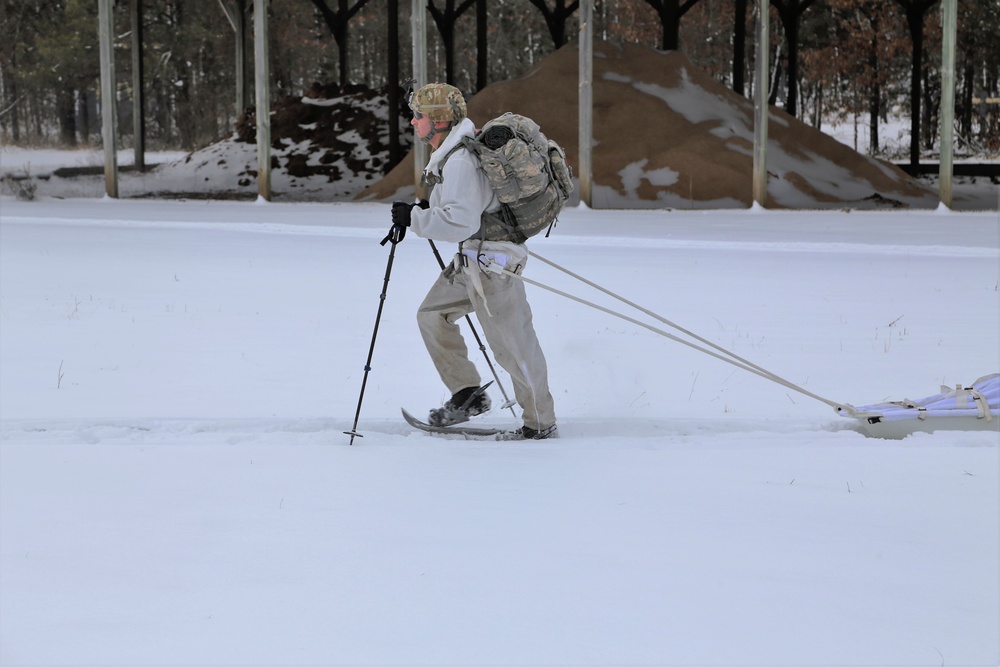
(465, 403)
(528, 433)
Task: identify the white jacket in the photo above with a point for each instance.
(459, 199)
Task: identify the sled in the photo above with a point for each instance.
(972, 408)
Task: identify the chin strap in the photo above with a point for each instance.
(435, 131)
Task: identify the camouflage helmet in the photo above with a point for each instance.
(439, 101)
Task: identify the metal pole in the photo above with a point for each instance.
(371, 350)
(138, 88)
(586, 111)
(761, 88)
(109, 116)
(419, 28)
(262, 83)
(949, 20)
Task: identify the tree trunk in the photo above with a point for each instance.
(83, 106)
(874, 110)
(670, 21)
(792, 36)
(341, 36)
(337, 22)
(10, 87)
(392, 84)
(555, 19)
(915, 10)
(739, 44)
(790, 12)
(818, 108)
(915, 21)
(445, 22)
(968, 83)
(66, 103)
(776, 74)
(482, 46)
(875, 91)
(931, 106)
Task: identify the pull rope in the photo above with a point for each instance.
(719, 352)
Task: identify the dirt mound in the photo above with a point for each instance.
(667, 135)
(331, 131)
(326, 145)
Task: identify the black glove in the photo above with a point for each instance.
(401, 213)
(400, 221)
(423, 203)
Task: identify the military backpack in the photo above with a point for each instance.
(528, 174)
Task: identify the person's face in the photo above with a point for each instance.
(422, 124)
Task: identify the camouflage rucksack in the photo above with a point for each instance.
(528, 173)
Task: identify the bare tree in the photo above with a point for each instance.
(337, 22)
(482, 47)
(790, 12)
(670, 13)
(556, 17)
(445, 20)
(915, 11)
(739, 44)
(392, 84)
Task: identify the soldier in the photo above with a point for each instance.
(460, 196)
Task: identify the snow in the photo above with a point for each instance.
(176, 487)
(31, 161)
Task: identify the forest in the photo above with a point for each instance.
(831, 59)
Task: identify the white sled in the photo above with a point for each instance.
(975, 408)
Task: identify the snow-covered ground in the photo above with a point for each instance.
(28, 161)
(176, 489)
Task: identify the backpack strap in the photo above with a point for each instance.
(504, 218)
(431, 179)
(503, 224)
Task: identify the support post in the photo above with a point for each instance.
(419, 28)
(761, 87)
(949, 21)
(106, 32)
(263, 89)
(138, 88)
(586, 110)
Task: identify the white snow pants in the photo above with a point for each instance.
(508, 330)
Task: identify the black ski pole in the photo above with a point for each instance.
(371, 350)
(507, 403)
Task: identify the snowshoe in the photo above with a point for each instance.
(464, 404)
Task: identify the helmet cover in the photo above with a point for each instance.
(440, 102)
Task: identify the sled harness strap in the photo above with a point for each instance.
(716, 351)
